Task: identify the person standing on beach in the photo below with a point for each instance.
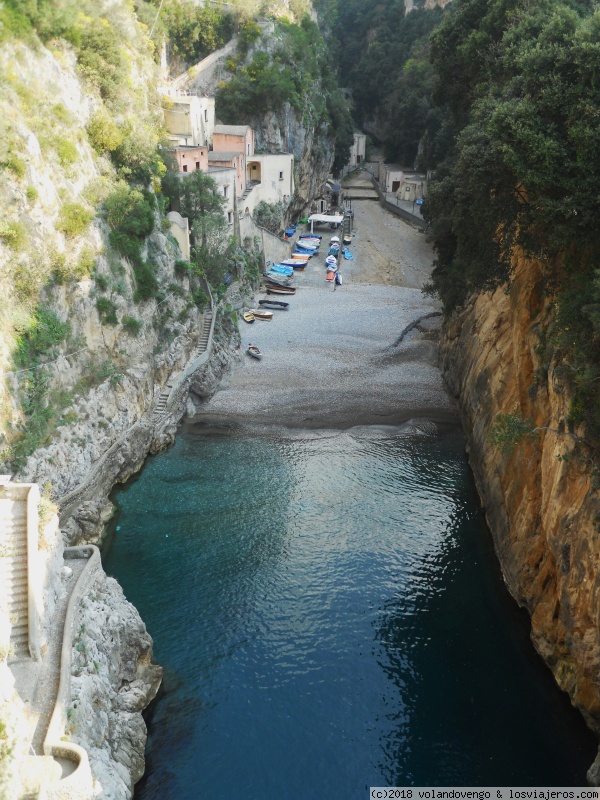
(337, 279)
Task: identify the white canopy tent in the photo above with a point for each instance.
(325, 219)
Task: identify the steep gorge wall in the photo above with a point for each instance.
(540, 498)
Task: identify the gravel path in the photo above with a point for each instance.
(331, 358)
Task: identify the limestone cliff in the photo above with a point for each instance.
(113, 680)
(541, 498)
(313, 150)
(78, 411)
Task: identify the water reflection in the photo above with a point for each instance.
(330, 607)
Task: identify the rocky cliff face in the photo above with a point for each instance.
(313, 150)
(541, 499)
(113, 680)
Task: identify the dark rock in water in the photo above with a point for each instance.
(593, 773)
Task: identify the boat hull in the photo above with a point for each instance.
(262, 314)
(277, 305)
(280, 290)
(254, 352)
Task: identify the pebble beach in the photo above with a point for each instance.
(334, 359)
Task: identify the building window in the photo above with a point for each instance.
(281, 176)
(205, 115)
(229, 217)
(197, 165)
(184, 167)
(225, 191)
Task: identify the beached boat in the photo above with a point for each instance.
(262, 313)
(283, 270)
(248, 316)
(310, 236)
(278, 278)
(272, 288)
(278, 305)
(295, 263)
(253, 351)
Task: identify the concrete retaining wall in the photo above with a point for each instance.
(275, 249)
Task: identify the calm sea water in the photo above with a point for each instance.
(330, 616)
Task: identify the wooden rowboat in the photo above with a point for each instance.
(272, 288)
(253, 351)
(248, 316)
(276, 304)
(262, 313)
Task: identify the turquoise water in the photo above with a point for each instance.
(330, 616)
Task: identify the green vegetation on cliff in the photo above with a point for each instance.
(295, 66)
(384, 60)
(520, 82)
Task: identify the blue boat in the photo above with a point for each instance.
(281, 269)
(295, 263)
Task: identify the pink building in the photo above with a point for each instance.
(191, 158)
(233, 139)
(234, 159)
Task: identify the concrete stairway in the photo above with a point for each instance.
(161, 403)
(347, 225)
(249, 186)
(14, 572)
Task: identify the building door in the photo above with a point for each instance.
(395, 186)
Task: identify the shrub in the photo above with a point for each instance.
(101, 282)
(181, 268)
(269, 215)
(16, 165)
(44, 331)
(32, 194)
(85, 265)
(61, 114)
(100, 58)
(130, 211)
(103, 133)
(146, 283)
(199, 297)
(126, 245)
(132, 325)
(14, 234)
(107, 311)
(67, 152)
(74, 219)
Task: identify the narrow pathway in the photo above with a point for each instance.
(161, 404)
(46, 690)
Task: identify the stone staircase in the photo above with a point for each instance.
(14, 571)
(249, 186)
(161, 404)
(347, 225)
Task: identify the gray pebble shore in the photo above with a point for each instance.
(332, 358)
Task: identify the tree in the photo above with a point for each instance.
(202, 204)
